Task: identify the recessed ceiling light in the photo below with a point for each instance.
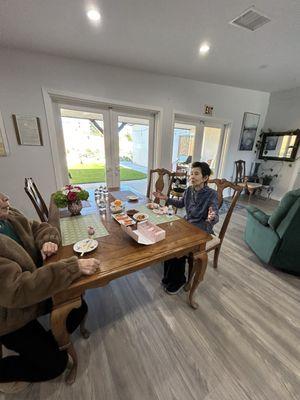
(93, 15)
(204, 48)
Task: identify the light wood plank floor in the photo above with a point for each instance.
(241, 344)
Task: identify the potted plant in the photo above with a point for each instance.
(267, 178)
(71, 196)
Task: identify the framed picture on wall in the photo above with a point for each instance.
(249, 129)
(4, 150)
(271, 143)
(28, 130)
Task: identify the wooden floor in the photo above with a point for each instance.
(241, 344)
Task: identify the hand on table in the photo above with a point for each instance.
(160, 195)
(48, 249)
(89, 266)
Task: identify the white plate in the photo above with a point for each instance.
(85, 245)
(136, 217)
(152, 206)
(132, 198)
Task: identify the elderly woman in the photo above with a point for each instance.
(201, 204)
(25, 291)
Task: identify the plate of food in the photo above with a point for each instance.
(161, 210)
(152, 206)
(139, 217)
(117, 206)
(132, 198)
(124, 219)
(131, 213)
(85, 246)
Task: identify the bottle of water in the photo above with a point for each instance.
(105, 193)
(102, 203)
(170, 211)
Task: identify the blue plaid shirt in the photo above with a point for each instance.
(197, 203)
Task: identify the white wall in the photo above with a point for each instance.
(23, 74)
(283, 115)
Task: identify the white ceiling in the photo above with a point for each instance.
(163, 36)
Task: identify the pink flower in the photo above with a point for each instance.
(77, 187)
(72, 196)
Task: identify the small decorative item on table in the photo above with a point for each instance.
(91, 232)
(71, 196)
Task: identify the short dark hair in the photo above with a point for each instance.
(205, 169)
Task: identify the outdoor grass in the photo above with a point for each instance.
(93, 173)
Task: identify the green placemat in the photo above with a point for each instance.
(74, 229)
(155, 218)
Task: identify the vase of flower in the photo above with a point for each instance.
(71, 196)
(75, 207)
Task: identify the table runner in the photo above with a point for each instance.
(154, 218)
(74, 229)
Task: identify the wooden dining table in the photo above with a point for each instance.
(120, 255)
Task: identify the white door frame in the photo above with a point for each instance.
(52, 99)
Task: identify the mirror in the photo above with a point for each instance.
(282, 146)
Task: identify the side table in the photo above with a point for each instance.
(268, 189)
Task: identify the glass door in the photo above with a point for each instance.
(133, 147)
(183, 144)
(196, 141)
(87, 146)
(211, 148)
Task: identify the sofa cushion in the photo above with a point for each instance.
(283, 208)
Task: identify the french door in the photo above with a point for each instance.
(107, 146)
(197, 141)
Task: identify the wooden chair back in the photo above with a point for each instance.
(36, 199)
(240, 171)
(160, 181)
(221, 185)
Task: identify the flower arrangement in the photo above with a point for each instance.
(70, 194)
(267, 178)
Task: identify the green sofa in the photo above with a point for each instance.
(275, 238)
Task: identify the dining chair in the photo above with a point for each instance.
(159, 185)
(216, 242)
(36, 199)
(177, 191)
(244, 181)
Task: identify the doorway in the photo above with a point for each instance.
(195, 140)
(107, 147)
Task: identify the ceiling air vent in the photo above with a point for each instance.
(250, 19)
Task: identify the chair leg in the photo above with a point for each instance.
(216, 256)
(1, 353)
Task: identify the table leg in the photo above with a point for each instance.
(200, 264)
(58, 326)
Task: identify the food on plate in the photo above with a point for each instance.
(152, 206)
(127, 222)
(131, 212)
(117, 203)
(120, 217)
(124, 219)
(139, 217)
(161, 210)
